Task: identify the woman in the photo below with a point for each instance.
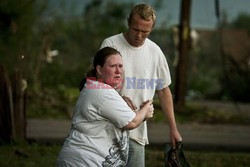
(101, 120)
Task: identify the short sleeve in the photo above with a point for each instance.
(164, 78)
(115, 109)
(105, 43)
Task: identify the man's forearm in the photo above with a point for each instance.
(166, 102)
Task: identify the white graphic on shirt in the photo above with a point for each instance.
(118, 153)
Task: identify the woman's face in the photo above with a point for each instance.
(112, 71)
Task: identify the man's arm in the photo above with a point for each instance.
(166, 101)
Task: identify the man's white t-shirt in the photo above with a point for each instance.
(146, 70)
(96, 137)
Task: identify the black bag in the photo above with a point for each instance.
(175, 157)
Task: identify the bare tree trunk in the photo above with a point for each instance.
(19, 86)
(184, 45)
(41, 56)
(6, 106)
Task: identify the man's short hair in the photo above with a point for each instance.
(145, 11)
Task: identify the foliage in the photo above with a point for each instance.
(59, 104)
(236, 79)
(205, 70)
(17, 29)
(29, 29)
(217, 74)
(237, 82)
(205, 112)
(241, 22)
(52, 103)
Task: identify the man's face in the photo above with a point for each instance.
(139, 30)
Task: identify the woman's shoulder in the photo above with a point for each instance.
(99, 89)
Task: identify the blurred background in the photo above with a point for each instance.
(46, 47)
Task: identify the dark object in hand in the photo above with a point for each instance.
(174, 157)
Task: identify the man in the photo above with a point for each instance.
(146, 71)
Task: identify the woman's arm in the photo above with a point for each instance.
(144, 113)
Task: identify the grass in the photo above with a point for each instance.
(40, 155)
(28, 155)
(155, 158)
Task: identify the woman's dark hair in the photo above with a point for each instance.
(99, 59)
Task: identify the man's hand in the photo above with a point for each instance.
(130, 103)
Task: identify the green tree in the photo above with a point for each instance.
(102, 19)
(18, 33)
(241, 22)
(78, 38)
(237, 69)
(219, 68)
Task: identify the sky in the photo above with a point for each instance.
(202, 11)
